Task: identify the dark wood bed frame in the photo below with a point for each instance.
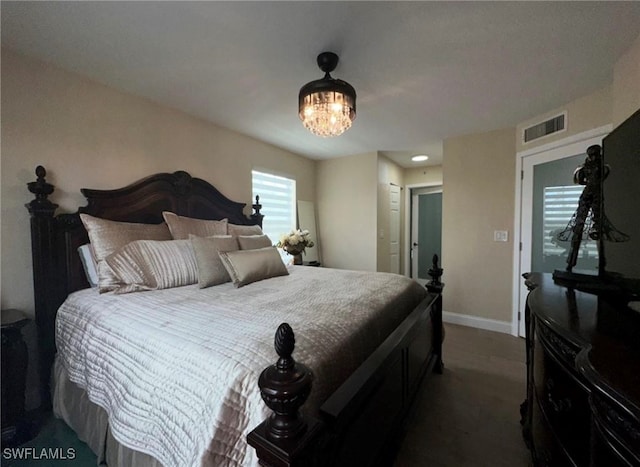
(359, 424)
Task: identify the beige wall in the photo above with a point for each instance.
(347, 208)
(89, 135)
(429, 175)
(388, 172)
(626, 84)
(478, 198)
(586, 113)
(609, 105)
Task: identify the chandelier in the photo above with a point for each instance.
(327, 106)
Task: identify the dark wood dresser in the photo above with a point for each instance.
(583, 378)
(14, 352)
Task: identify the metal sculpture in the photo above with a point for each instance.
(589, 220)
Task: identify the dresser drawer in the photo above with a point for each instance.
(547, 450)
(563, 400)
(583, 378)
(616, 437)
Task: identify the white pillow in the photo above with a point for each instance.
(89, 264)
(152, 265)
(107, 236)
(181, 227)
(237, 229)
(247, 266)
(211, 271)
(253, 242)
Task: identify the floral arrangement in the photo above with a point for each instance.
(295, 242)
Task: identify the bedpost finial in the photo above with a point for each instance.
(40, 187)
(435, 272)
(284, 343)
(284, 387)
(257, 206)
(256, 216)
(41, 206)
(41, 172)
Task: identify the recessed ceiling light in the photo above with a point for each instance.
(419, 158)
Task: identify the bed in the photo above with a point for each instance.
(118, 399)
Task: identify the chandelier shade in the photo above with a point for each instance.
(327, 106)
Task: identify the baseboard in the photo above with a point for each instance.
(477, 322)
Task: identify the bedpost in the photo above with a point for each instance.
(435, 286)
(43, 244)
(282, 439)
(256, 216)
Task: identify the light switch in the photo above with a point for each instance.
(500, 236)
(381, 233)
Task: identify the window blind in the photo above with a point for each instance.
(278, 199)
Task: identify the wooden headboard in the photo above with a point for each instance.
(57, 270)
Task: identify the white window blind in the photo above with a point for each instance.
(278, 199)
(560, 203)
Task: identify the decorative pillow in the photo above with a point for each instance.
(89, 264)
(181, 227)
(151, 265)
(211, 271)
(108, 236)
(236, 230)
(253, 242)
(247, 266)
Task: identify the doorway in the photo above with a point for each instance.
(425, 230)
(394, 228)
(548, 199)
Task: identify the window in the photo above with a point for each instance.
(278, 199)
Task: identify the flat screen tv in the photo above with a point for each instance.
(621, 199)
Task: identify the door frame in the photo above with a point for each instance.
(398, 225)
(564, 147)
(407, 220)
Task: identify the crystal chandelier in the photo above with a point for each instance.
(327, 106)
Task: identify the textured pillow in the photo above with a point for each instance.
(181, 227)
(108, 236)
(211, 271)
(247, 266)
(89, 264)
(253, 242)
(236, 230)
(151, 265)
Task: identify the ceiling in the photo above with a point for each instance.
(423, 71)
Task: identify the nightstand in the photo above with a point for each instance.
(15, 428)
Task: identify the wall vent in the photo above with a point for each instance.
(546, 128)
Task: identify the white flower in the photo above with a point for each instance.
(296, 240)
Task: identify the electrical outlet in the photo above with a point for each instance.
(500, 236)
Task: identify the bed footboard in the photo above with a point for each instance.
(362, 421)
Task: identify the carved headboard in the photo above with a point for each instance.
(57, 270)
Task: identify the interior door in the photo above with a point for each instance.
(426, 230)
(549, 199)
(394, 228)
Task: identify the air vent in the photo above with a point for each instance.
(546, 128)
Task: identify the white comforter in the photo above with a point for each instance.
(176, 370)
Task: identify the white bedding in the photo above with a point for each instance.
(177, 369)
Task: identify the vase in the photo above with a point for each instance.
(297, 259)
